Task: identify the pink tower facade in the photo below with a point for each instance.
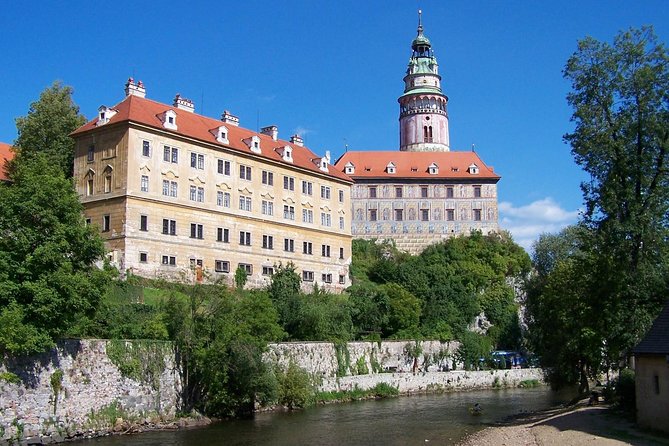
(423, 106)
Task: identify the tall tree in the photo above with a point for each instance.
(46, 128)
(48, 279)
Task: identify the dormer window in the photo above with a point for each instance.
(104, 115)
(433, 169)
(287, 154)
(349, 168)
(473, 169)
(170, 120)
(253, 143)
(222, 135)
(323, 162)
(390, 168)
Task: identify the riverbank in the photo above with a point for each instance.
(575, 425)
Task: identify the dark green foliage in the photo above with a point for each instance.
(240, 277)
(625, 392)
(221, 337)
(48, 281)
(296, 389)
(474, 350)
(606, 279)
(445, 287)
(46, 128)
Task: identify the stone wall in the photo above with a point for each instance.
(76, 390)
(430, 367)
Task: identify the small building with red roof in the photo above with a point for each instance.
(6, 155)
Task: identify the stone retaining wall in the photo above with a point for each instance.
(430, 367)
(91, 395)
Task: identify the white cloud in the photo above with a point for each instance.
(302, 131)
(527, 222)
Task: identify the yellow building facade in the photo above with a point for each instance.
(186, 197)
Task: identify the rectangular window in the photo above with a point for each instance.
(108, 184)
(244, 238)
(288, 183)
(399, 214)
(398, 192)
(170, 188)
(288, 212)
(307, 216)
(326, 219)
(267, 207)
(245, 172)
(372, 215)
(170, 154)
(327, 278)
(144, 183)
(106, 223)
(146, 148)
(222, 266)
(268, 242)
(226, 199)
(450, 214)
(196, 231)
(341, 253)
(267, 271)
(477, 191)
(325, 192)
(223, 235)
(89, 187)
(197, 161)
(307, 187)
(143, 257)
(267, 178)
(342, 279)
(423, 192)
(656, 384)
(169, 227)
(341, 223)
(307, 276)
(289, 245)
(341, 196)
(143, 223)
(88, 221)
(449, 192)
(372, 191)
(247, 267)
(244, 203)
(224, 167)
(477, 214)
(219, 198)
(425, 214)
(307, 248)
(91, 154)
(325, 250)
(197, 194)
(169, 260)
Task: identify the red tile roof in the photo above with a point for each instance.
(6, 154)
(148, 112)
(453, 165)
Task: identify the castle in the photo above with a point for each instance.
(424, 192)
(184, 196)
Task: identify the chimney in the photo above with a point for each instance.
(134, 89)
(271, 130)
(297, 140)
(184, 104)
(229, 118)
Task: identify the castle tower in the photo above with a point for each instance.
(423, 112)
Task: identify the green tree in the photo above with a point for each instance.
(240, 277)
(621, 140)
(403, 310)
(46, 129)
(47, 256)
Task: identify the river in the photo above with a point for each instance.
(435, 419)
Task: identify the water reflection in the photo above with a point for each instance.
(440, 419)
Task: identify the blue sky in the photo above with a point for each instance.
(333, 70)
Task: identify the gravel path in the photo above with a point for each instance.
(582, 425)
